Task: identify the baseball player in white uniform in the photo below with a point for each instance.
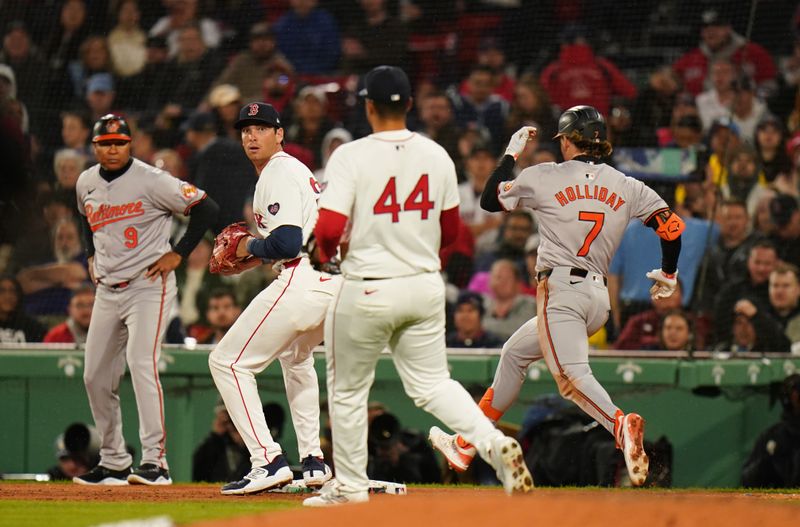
(127, 207)
(582, 207)
(399, 190)
(285, 320)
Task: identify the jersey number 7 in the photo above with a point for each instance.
(417, 200)
(598, 218)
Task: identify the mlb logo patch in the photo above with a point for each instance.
(274, 208)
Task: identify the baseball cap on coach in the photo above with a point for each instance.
(258, 113)
(111, 127)
(386, 84)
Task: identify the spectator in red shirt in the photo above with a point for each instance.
(719, 41)
(74, 329)
(579, 76)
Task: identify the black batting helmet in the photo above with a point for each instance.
(586, 121)
(111, 127)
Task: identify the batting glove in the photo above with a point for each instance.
(664, 285)
(518, 141)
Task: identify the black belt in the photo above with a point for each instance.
(121, 285)
(574, 271)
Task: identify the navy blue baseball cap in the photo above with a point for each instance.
(258, 113)
(386, 84)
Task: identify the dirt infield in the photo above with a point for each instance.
(467, 507)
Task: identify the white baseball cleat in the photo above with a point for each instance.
(507, 459)
(459, 458)
(275, 474)
(633, 448)
(331, 495)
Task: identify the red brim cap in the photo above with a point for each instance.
(111, 137)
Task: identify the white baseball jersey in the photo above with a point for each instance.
(395, 174)
(290, 199)
(131, 217)
(582, 210)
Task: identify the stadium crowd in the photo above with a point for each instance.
(179, 70)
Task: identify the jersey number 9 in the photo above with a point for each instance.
(417, 200)
(131, 237)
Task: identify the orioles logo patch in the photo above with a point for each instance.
(188, 191)
(274, 208)
(508, 186)
(112, 126)
(253, 110)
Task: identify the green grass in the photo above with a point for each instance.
(16, 513)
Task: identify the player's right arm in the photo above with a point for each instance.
(505, 169)
(335, 203)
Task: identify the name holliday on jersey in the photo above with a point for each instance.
(106, 213)
(576, 192)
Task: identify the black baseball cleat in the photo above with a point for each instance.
(150, 474)
(101, 475)
(315, 472)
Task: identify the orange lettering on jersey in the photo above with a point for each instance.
(611, 199)
(570, 193)
(603, 193)
(107, 214)
(561, 198)
(620, 201)
(578, 192)
(594, 193)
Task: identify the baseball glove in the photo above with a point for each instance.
(223, 259)
(329, 267)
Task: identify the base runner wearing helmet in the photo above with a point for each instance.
(127, 207)
(582, 207)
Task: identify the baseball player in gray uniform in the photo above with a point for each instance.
(582, 207)
(127, 206)
(399, 190)
(285, 320)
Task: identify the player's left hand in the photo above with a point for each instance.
(664, 285)
(163, 266)
(520, 138)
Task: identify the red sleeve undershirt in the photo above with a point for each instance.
(328, 231)
(449, 222)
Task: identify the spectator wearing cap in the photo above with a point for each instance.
(653, 107)
(719, 40)
(717, 101)
(479, 166)
(220, 167)
(191, 71)
(183, 14)
(480, 107)
(310, 122)
(745, 180)
(687, 132)
(397, 454)
(225, 101)
(770, 143)
(491, 53)
(468, 329)
(127, 41)
(27, 63)
(364, 41)
(747, 109)
(785, 215)
(309, 37)
(754, 329)
(154, 75)
(578, 76)
(79, 313)
(100, 95)
(249, 68)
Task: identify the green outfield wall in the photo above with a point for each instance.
(711, 408)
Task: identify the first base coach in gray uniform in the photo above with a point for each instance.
(127, 206)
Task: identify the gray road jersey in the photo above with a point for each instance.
(582, 210)
(131, 217)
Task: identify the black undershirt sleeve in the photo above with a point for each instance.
(88, 238)
(503, 172)
(201, 217)
(670, 250)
